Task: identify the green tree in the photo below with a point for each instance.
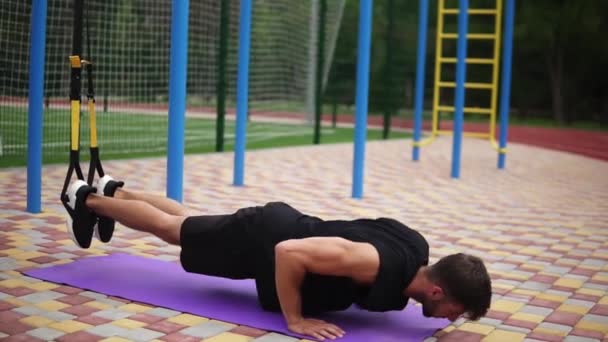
(551, 28)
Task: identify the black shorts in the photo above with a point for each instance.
(240, 245)
(221, 245)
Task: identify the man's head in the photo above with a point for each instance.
(459, 284)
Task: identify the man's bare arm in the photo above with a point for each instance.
(321, 255)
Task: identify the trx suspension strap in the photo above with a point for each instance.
(95, 163)
(76, 65)
(75, 84)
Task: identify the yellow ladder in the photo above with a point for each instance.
(491, 87)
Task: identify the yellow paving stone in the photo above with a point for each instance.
(561, 248)
(604, 300)
(187, 319)
(19, 243)
(503, 286)
(551, 332)
(581, 310)
(70, 326)
(52, 305)
(98, 305)
(448, 328)
(115, 339)
(503, 335)
(525, 292)
(591, 267)
(591, 292)
(42, 286)
(600, 277)
(476, 328)
(522, 316)
(12, 283)
(506, 306)
(129, 323)
(552, 297)
(134, 308)
(530, 251)
(229, 337)
(16, 301)
(588, 325)
(36, 321)
(534, 267)
(500, 253)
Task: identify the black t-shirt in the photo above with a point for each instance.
(402, 252)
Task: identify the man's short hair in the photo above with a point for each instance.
(464, 278)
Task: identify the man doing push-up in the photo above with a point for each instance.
(302, 265)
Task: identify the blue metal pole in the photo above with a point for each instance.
(177, 99)
(423, 18)
(363, 60)
(505, 86)
(36, 99)
(242, 92)
(461, 70)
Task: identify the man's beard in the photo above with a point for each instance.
(428, 308)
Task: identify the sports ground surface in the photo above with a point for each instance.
(541, 225)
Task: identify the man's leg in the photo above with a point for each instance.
(165, 204)
(139, 215)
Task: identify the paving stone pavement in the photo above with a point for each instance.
(541, 225)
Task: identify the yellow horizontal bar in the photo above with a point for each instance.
(466, 134)
(497, 147)
(472, 110)
(470, 85)
(471, 11)
(469, 36)
(476, 134)
(469, 60)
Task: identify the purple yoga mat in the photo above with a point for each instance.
(166, 284)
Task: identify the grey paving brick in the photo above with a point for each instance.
(93, 295)
(58, 316)
(596, 286)
(594, 262)
(430, 339)
(111, 302)
(64, 256)
(113, 314)
(597, 319)
(579, 302)
(107, 330)
(162, 312)
(503, 266)
(30, 279)
(535, 285)
(39, 297)
(490, 321)
(513, 328)
(141, 334)
(560, 293)
(46, 334)
(207, 329)
(536, 310)
(553, 326)
(557, 269)
(29, 310)
(274, 337)
(579, 339)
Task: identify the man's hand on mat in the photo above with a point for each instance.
(316, 328)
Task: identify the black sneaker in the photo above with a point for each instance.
(80, 220)
(106, 186)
